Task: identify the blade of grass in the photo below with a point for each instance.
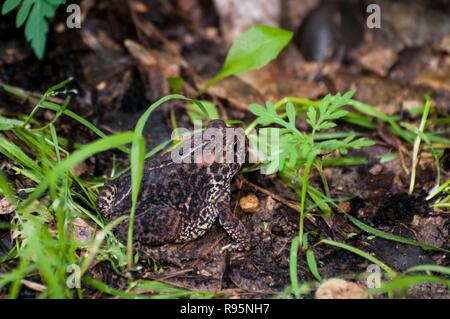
(430, 268)
(389, 271)
(137, 164)
(403, 283)
(57, 108)
(392, 237)
(415, 156)
(310, 258)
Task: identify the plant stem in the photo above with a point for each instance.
(415, 156)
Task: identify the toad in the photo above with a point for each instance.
(183, 192)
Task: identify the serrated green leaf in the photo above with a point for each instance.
(56, 2)
(336, 115)
(290, 111)
(47, 9)
(361, 142)
(9, 5)
(36, 30)
(271, 109)
(253, 49)
(312, 116)
(257, 109)
(34, 13)
(23, 13)
(325, 126)
(348, 95)
(323, 105)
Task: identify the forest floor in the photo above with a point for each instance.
(119, 61)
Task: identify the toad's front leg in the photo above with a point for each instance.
(233, 226)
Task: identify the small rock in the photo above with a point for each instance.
(249, 203)
(340, 289)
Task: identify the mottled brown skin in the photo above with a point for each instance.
(178, 202)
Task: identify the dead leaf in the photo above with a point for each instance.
(6, 207)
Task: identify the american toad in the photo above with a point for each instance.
(180, 202)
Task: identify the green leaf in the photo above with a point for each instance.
(271, 109)
(48, 9)
(325, 126)
(311, 260)
(37, 12)
(257, 109)
(361, 142)
(56, 2)
(263, 116)
(23, 13)
(137, 171)
(252, 50)
(430, 268)
(389, 271)
(293, 265)
(7, 124)
(88, 150)
(392, 237)
(15, 153)
(337, 115)
(312, 116)
(323, 105)
(137, 149)
(290, 111)
(196, 113)
(36, 29)
(9, 5)
(406, 282)
(176, 84)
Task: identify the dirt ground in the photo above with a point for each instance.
(121, 56)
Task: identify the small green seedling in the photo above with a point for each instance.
(35, 13)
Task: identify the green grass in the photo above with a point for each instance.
(44, 244)
(306, 159)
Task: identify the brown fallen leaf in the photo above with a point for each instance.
(168, 64)
(237, 92)
(6, 207)
(376, 58)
